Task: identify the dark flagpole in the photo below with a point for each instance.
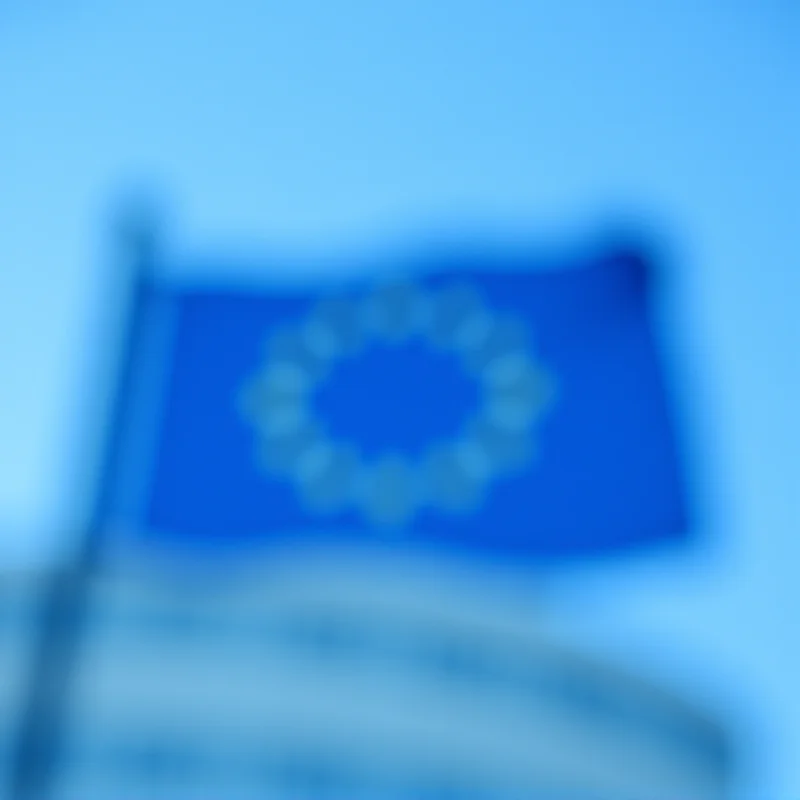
(66, 590)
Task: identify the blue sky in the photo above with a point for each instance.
(344, 124)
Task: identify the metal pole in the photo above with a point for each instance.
(67, 592)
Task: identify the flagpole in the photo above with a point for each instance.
(67, 588)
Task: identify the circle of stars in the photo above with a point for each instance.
(451, 476)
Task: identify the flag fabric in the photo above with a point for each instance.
(472, 404)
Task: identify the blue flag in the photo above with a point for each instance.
(475, 405)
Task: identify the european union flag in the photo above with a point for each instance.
(471, 403)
